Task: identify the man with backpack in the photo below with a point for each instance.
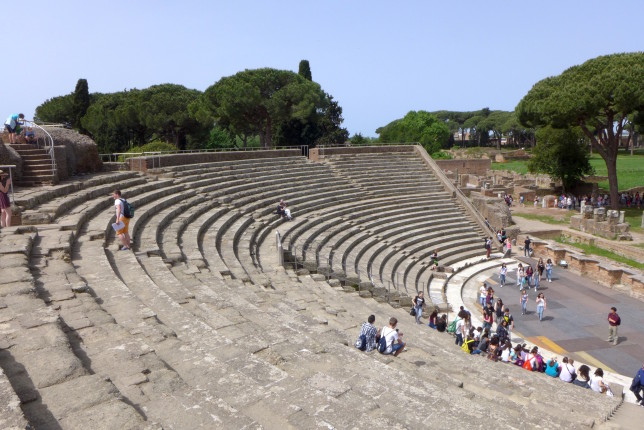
(368, 333)
(123, 215)
(390, 340)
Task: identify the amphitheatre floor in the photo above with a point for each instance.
(575, 320)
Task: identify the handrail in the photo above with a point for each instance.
(10, 167)
(49, 144)
(478, 217)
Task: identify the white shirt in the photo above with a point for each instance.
(567, 370)
(391, 335)
(483, 291)
(594, 383)
(459, 327)
(118, 203)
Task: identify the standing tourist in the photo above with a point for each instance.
(524, 302)
(526, 248)
(541, 305)
(121, 216)
(502, 274)
(613, 322)
(638, 385)
(5, 202)
(419, 305)
(12, 124)
(549, 270)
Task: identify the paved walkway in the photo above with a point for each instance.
(575, 320)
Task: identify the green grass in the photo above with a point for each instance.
(633, 216)
(630, 171)
(518, 166)
(594, 250)
(556, 220)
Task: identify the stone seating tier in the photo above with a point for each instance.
(145, 344)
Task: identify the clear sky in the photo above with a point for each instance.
(379, 59)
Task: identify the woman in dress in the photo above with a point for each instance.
(5, 203)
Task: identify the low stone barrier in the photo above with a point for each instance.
(142, 164)
(629, 281)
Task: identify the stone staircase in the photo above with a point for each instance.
(37, 167)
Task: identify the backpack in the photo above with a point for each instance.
(466, 346)
(451, 328)
(539, 364)
(382, 344)
(361, 343)
(128, 209)
(527, 365)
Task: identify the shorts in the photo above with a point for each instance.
(9, 128)
(395, 347)
(126, 221)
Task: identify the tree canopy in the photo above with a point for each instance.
(269, 102)
(421, 127)
(81, 102)
(562, 154)
(597, 96)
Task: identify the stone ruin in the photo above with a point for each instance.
(605, 223)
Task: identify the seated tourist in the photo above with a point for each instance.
(287, 212)
(393, 338)
(492, 348)
(433, 319)
(515, 355)
(483, 344)
(506, 349)
(502, 331)
(567, 372)
(30, 135)
(532, 358)
(583, 377)
(367, 337)
(441, 324)
(552, 368)
(598, 384)
(280, 209)
(468, 344)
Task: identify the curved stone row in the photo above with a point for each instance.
(163, 337)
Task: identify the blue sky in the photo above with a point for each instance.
(379, 59)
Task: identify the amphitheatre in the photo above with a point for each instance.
(226, 316)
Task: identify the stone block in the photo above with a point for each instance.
(599, 214)
(588, 212)
(612, 216)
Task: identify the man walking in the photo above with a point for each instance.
(122, 233)
(526, 248)
(638, 385)
(613, 322)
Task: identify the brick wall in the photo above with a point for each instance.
(144, 163)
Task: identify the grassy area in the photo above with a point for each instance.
(630, 170)
(563, 219)
(634, 218)
(594, 250)
(518, 166)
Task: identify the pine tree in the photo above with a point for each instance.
(305, 70)
(80, 103)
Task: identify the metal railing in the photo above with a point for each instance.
(10, 167)
(48, 143)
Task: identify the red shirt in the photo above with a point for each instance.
(613, 319)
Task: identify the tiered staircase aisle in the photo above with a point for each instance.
(37, 166)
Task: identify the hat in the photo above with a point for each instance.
(2, 172)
